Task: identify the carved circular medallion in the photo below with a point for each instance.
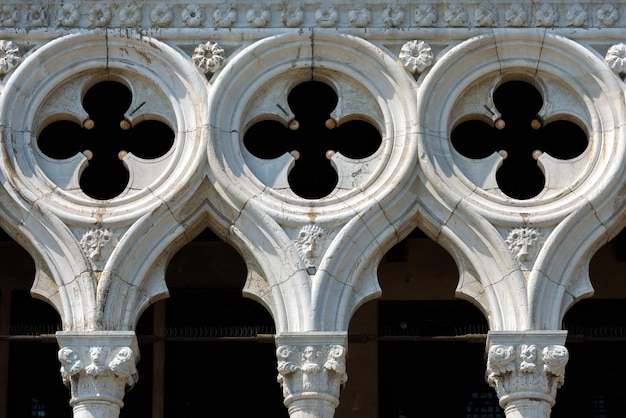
(360, 79)
(100, 94)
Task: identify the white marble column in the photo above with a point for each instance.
(526, 368)
(99, 367)
(311, 371)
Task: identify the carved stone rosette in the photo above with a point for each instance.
(99, 367)
(311, 371)
(526, 369)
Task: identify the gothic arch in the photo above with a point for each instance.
(362, 218)
(49, 86)
(473, 219)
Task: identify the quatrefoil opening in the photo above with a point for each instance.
(520, 135)
(105, 139)
(312, 137)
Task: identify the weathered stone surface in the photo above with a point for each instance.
(209, 71)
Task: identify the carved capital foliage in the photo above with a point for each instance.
(98, 366)
(526, 367)
(312, 372)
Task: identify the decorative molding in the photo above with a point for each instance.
(393, 17)
(576, 15)
(455, 15)
(9, 15)
(259, 16)
(193, 16)
(100, 15)
(161, 15)
(251, 13)
(607, 15)
(224, 16)
(425, 15)
(516, 16)
(130, 15)
(68, 15)
(327, 16)
(292, 17)
(485, 15)
(360, 18)
(546, 15)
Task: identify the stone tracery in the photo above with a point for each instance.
(520, 135)
(529, 359)
(312, 137)
(94, 137)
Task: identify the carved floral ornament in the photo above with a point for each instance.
(455, 15)
(100, 362)
(526, 368)
(393, 16)
(9, 56)
(193, 15)
(259, 16)
(616, 59)
(224, 16)
(208, 57)
(311, 369)
(97, 244)
(416, 56)
(524, 243)
(327, 16)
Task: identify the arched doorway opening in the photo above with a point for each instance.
(417, 351)
(30, 383)
(596, 337)
(203, 351)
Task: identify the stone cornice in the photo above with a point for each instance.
(327, 14)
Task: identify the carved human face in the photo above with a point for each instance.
(308, 241)
(93, 242)
(96, 353)
(309, 353)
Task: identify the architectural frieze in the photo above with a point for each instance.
(328, 14)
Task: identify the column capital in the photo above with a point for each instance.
(526, 368)
(311, 370)
(99, 367)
